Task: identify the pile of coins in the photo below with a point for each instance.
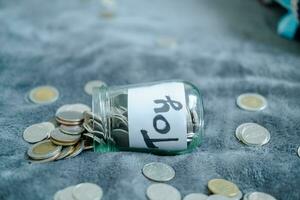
(220, 189)
(66, 139)
(82, 191)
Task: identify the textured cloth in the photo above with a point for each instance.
(224, 47)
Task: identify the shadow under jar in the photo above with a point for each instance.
(163, 117)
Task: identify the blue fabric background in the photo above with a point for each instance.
(224, 47)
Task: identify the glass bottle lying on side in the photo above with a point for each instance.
(163, 117)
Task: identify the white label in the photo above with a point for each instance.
(157, 117)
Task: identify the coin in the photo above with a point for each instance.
(255, 134)
(162, 191)
(88, 88)
(251, 102)
(43, 150)
(45, 160)
(223, 187)
(217, 197)
(240, 129)
(195, 196)
(77, 150)
(69, 117)
(65, 194)
(38, 132)
(59, 136)
(260, 196)
(65, 152)
(299, 151)
(71, 130)
(237, 197)
(77, 107)
(87, 191)
(157, 171)
(43, 94)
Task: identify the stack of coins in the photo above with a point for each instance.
(252, 134)
(82, 191)
(68, 139)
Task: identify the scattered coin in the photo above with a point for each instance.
(259, 196)
(299, 151)
(43, 94)
(87, 191)
(88, 88)
(167, 42)
(69, 117)
(59, 136)
(162, 191)
(251, 102)
(38, 132)
(240, 129)
(71, 130)
(255, 134)
(195, 196)
(66, 151)
(65, 194)
(223, 187)
(43, 150)
(157, 171)
(217, 197)
(77, 107)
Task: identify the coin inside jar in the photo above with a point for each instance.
(38, 132)
(157, 171)
(162, 191)
(251, 102)
(255, 134)
(43, 94)
(87, 191)
(57, 135)
(43, 150)
(223, 187)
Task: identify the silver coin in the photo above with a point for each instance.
(38, 132)
(77, 107)
(299, 151)
(217, 197)
(58, 135)
(65, 194)
(88, 88)
(246, 196)
(78, 149)
(251, 102)
(237, 197)
(66, 151)
(97, 126)
(43, 150)
(71, 130)
(43, 95)
(121, 137)
(157, 171)
(195, 196)
(260, 196)
(162, 191)
(87, 191)
(69, 117)
(89, 115)
(255, 134)
(240, 129)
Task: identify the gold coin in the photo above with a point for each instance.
(43, 94)
(251, 102)
(223, 187)
(43, 150)
(53, 158)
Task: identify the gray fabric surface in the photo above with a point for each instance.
(224, 47)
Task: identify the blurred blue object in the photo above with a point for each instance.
(289, 24)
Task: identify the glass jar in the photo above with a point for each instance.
(163, 117)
